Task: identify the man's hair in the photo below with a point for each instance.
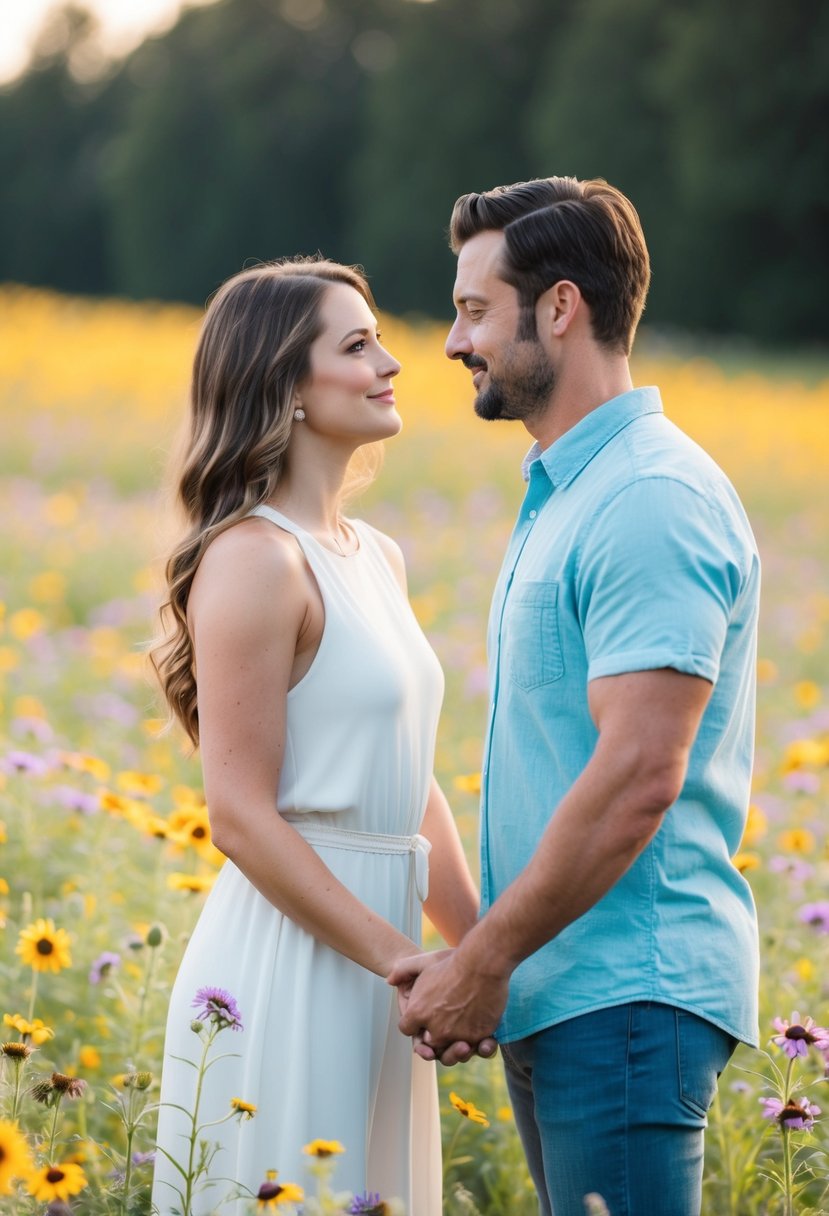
(561, 228)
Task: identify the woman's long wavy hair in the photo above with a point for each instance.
(252, 354)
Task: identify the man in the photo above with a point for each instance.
(617, 950)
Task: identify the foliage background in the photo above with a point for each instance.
(259, 128)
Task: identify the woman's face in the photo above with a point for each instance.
(349, 393)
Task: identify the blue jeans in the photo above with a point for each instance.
(616, 1102)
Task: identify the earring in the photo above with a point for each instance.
(299, 414)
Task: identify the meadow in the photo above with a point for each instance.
(105, 854)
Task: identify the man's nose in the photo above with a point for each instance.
(457, 342)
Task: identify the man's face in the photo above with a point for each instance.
(513, 376)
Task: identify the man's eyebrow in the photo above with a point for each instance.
(465, 299)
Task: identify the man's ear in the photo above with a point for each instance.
(557, 308)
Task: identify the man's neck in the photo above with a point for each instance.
(579, 390)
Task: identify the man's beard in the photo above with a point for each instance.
(524, 386)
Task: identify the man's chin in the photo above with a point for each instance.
(489, 408)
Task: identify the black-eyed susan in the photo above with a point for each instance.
(43, 947)
(36, 1030)
(324, 1148)
(272, 1194)
(196, 884)
(469, 1110)
(56, 1182)
(15, 1161)
(245, 1110)
(139, 785)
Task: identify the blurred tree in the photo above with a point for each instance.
(259, 128)
(54, 129)
(243, 122)
(450, 118)
(708, 116)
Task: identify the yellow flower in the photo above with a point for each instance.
(804, 969)
(26, 623)
(56, 1182)
(196, 883)
(756, 825)
(89, 1057)
(806, 753)
(28, 707)
(4, 887)
(469, 1110)
(246, 1109)
(796, 840)
(323, 1148)
(766, 671)
(273, 1194)
(15, 1161)
(43, 947)
(745, 861)
(807, 694)
(83, 763)
(36, 1030)
(49, 587)
(469, 783)
(504, 1114)
(139, 785)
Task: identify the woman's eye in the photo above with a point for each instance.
(358, 346)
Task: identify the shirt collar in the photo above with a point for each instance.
(565, 459)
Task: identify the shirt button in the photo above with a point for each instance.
(533, 514)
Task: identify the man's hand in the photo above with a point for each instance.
(446, 1008)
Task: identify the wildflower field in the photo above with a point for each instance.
(105, 852)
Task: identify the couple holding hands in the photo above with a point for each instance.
(612, 952)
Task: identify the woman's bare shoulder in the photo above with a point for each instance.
(251, 558)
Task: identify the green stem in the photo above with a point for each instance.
(448, 1155)
(50, 1156)
(128, 1164)
(18, 1070)
(725, 1153)
(30, 1018)
(788, 1197)
(142, 1004)
(190, 1179)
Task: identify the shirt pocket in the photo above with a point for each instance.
(533, 643)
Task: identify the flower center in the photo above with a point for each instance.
(44, 946)
(55, 1175)
(799, 1032)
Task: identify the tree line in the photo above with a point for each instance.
(254, 129)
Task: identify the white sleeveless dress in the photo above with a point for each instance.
(320, 1054)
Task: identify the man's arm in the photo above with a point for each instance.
(647, 722)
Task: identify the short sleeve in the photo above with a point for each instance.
(658, 576)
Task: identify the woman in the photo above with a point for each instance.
(296, 664)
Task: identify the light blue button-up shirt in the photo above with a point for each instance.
(631, 552)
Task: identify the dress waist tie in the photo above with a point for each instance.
(417, 846)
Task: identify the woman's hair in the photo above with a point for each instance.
(253, 352)
(561, 228)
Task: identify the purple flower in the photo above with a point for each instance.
(797, 1036)
(24, 762)
(76, 800)
(800, 782)
(816, 915)
(219, 1007)
(102, 966)
(144, 1158)
(795, 1116)
(797, 869)
(369, 1204)
(36, 727)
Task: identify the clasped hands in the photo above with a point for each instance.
(449, 1012)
